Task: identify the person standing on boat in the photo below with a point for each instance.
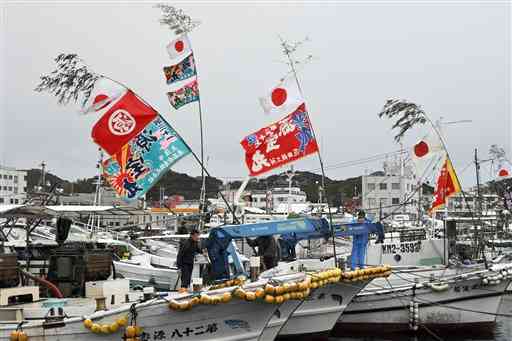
(268, 250)
(185, 259)
(359, 244)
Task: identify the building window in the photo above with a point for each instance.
(16, 179)
(15, 190)
(383, 186)
(395, 201)
(370, 187)
(396, 185)
(5, 176)
(372, 203)
(16, 201)
(1, 200)
(10, 177)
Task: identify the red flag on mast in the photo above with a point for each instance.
(123, 121)
(280, 143)
(447, 185)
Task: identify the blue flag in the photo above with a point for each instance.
(144, 159)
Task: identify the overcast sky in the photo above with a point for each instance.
(453, 59)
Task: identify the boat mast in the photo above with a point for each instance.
(478, 203)
(202, 196)
(288, 51)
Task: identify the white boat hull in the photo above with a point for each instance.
(465, 303)
(321, 310)
(164, 279)
(236, 320)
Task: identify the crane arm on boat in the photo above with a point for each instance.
(220, 241)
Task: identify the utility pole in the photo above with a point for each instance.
(43, 174)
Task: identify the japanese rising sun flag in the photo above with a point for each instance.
(104, 94)
(446, 186)
(282, 142)
(283, 98)
(503, 171)
(427, 154)
(179, 48)
(123, 120)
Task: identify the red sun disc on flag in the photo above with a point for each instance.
(101, 101)
(279, 96)
(179, 46)
(421, 149)
(503, 173)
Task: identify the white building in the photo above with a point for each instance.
(268, 200)
(13, 185)
(386, 192)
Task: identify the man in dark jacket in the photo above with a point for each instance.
(267, 249)
(185, 259)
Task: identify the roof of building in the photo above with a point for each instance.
(63, 210)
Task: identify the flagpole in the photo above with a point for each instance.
(203, 168)
(202, 197)
(439, 135)
(287, 52)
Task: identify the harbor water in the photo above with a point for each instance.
(502, 332)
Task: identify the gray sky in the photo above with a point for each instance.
(454, 59)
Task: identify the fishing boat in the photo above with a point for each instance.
(443, 298)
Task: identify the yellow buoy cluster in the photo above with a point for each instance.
(285, 292)
(132, 333)
(18, 335)
(322, 278)
(240, 280)
(105, 328)
(201, 299)
(281, 293)
(365, 274)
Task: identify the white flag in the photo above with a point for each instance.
(179, 48)
(427, 154)
(104, 94)
(283, 98)
(503, 170)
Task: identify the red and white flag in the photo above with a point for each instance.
(103, 95)
(503, 171)
(280, 143)
(179, 48)
(283, 98)
(123, 120)
(427, 154)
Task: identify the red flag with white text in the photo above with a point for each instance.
(280, 143)
(123, 121)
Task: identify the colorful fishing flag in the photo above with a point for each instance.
(427, 154)
(181, 71)
(104, 94)
(282, 142)
(184, 95)
(447, 185)
(283, 98)
(179, 48)
(126, 118)
(144, 159)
